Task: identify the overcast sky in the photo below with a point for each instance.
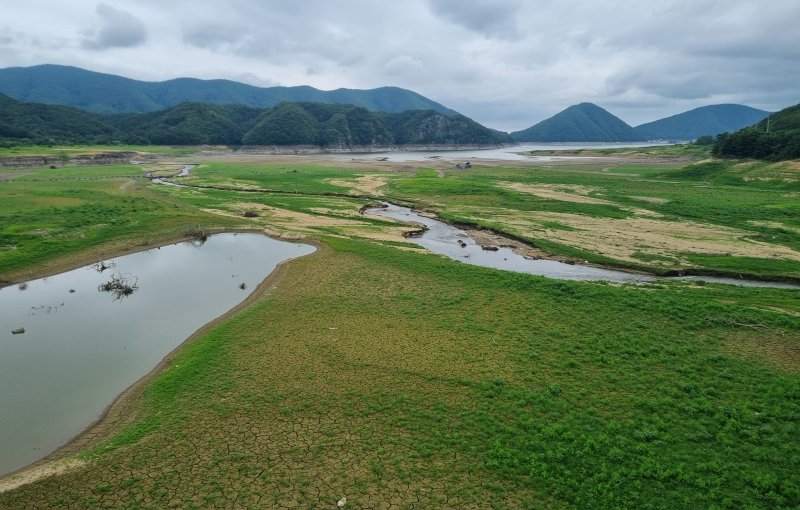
(506, 63)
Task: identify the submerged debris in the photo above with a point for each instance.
(103, 265)
(197, 236)
(23, 286)
(119, 285)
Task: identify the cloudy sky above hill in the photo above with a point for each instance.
(506, 63)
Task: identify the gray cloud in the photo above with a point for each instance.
(506, 63)
(492, 19)
(117, 29)
(6, 37)
(215, 36)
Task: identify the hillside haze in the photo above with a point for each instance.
(706, 120)
(106, 93)
(585, 122)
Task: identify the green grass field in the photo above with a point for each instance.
(405, 380)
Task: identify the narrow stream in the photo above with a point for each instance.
(185, 170)
(81, 347)
(456, 244)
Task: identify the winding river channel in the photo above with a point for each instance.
(82, 347)
(452, 242)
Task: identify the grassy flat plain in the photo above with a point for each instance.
(404, 380)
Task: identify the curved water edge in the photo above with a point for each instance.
(450, 241)
(83, 347)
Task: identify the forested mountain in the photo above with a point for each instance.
(34, 121)
(585, 122)
(106, 93)
(187, 124)
(326, 125)
(706, 120)
(775, 138)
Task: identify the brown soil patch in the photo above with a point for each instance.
(777, 350)
(366, 184)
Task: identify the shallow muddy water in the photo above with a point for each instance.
(456, 244)
(82, 347)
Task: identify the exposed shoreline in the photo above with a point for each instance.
(118, 413)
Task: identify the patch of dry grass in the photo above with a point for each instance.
(621, 238)
(366, 184)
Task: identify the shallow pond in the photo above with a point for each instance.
(456, 244)
(82, 347)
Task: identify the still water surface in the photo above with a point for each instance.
(512, 153)
(82, 347)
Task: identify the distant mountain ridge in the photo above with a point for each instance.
(329, 126)
(706, 120)
(584, 122)
(106, 93)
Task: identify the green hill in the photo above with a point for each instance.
(105, 93)
(429, 127)
(48, 124)
(775, 138)
(707, 120)
(326, 125)
(187, 124)
(583, 122)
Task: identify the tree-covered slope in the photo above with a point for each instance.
(105, 93)
(326, 125)
(187, 124)
(429, 127)
(707, 120)
(775, 138)
(583, 122)
(40, 123)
